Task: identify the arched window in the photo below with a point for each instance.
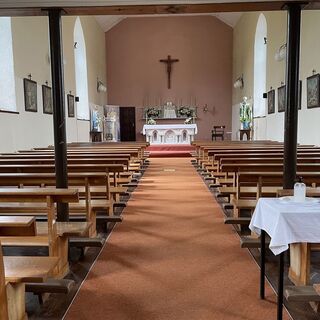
(260, 67)
(7, 77)
(80, 57)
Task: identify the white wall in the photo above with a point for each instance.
(235, 121)
(30, 47)
(35, 129)
(272, 126)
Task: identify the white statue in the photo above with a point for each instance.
(169, 110)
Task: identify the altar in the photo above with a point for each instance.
(170, 133)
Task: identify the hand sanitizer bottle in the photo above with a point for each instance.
(299, 194)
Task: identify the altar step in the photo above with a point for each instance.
(170, 150)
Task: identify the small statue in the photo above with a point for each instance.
(245, 114)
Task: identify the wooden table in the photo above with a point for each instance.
(287, 224)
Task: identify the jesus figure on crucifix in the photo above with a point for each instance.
(169, 63)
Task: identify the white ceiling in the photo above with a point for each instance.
(107, 22)
(230, 18)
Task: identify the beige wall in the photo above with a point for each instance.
(31, 50)
(272, 126)
(137, 78)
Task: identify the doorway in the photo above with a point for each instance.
(127, 123)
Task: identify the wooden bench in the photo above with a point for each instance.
(14, 273)
(87, 207)
(58, 246)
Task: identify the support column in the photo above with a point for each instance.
(59, 121)
(292, 94)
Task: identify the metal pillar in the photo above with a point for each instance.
(59, 123)
(262, 263)
(291, 119)
(292, 94)
(280, 286)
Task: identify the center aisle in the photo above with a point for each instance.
(172, 258)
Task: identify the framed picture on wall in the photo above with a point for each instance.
(30, 95)
(271, 101)
(47, 99)
(281, 98)
(313, 93)
(70, 99)
(300, 95)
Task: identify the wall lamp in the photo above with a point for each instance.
(101, 87)
(281, 53)
(238, 84)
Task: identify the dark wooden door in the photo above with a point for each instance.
(128, 124)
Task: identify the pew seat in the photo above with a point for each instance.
(248, 191)
(65, 229)
(225, 181)
(34, 208)
(251, 242)
(23, 226)
(301, 293)
(240, 220)
(17, 271)
(101, 190)
(28, 269)
(248, 204)
(29, 241)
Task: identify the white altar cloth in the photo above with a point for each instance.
(286, 222)
(170, 133)
(170, 114)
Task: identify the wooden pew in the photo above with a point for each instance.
(14, 273)
(263, 168)
(266, 159)
(130, 165)
(86, 208)
(58, 246)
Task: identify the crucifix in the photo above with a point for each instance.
(169, 63)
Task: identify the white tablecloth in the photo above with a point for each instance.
(286, 222)
(169, 126)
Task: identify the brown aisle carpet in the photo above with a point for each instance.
(172, 258)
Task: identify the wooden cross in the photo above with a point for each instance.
(169, 63)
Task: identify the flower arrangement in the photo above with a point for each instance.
(188, 121)
(245, 113)
(151, 121)
(185, 112)
(152, 112)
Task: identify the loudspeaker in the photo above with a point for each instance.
(265, 95)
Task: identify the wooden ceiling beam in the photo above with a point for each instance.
(177, 8)
(160, 9)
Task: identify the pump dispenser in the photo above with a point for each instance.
(299, 194)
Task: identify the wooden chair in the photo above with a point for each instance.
(218, 132)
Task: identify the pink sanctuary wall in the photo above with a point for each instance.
(203, 44)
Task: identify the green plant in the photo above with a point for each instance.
(151, 121)
(152, 112)
(185, 112)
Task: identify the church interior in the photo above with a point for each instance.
(159, 160)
